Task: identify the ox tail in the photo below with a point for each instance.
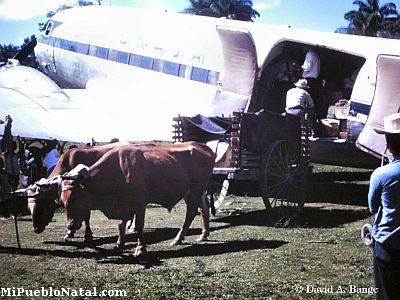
(212, 206)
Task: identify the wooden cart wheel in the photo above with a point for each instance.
(283, 183)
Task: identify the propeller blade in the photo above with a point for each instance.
(24, 52)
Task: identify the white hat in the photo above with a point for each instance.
(391, 124)
(302, 83)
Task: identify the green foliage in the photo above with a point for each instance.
(9, 51)
(371, 19)
(231, 9)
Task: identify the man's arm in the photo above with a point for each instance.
(374, 194)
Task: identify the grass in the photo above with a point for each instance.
(244, 258)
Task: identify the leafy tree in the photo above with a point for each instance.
(9, 51)
(371, 19)
(231, 9)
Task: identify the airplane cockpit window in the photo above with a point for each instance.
(49, 28)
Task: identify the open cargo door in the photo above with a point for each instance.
(386, 101)
(238, 76)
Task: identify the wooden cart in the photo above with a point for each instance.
(265, 154)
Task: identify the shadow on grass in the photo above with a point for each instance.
(338, 188)
(203, 249)
(311, 218)
(340, 176)
(152, 258)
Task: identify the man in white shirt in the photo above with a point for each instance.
(298, 100)
(311, 70)
(311, 65)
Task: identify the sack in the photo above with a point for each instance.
(341, 109)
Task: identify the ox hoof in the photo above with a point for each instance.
(119, 246)
(202, 238)
(176, 242)
(139, 253)
(69, 235)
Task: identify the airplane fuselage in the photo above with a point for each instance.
(207, 65)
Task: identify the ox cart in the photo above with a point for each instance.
(262, 154)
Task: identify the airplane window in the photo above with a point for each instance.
(134, 59)
(171, 68)
(157, 65)
(145, 62)
(92, 50)
(199, 74)
(49, 28)
(67, 45)
(101, 52)
(182, 71)
(212, 77)
(112, 54)
(123, 57)
(82, 48)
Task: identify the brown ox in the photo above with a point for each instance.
(128, 177)
(42, 194)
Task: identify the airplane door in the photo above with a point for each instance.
(386, 101)
(239, 72)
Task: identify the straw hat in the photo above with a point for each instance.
(302, 83)
(391, 124)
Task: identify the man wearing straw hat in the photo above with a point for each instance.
(384, 201)
(298, 100)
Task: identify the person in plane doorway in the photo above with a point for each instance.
(311, 70)
(384, 201)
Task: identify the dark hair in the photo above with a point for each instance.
(393, 143)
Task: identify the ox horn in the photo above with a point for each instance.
(79, 172)
(20, 192)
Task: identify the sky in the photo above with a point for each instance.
(19, 18)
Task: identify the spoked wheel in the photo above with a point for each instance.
(283, 183)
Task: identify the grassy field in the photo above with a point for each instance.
(321, 257)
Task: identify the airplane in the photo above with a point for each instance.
(127, 72)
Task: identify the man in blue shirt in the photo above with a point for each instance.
(384, 201)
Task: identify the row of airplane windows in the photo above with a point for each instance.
(141, 61)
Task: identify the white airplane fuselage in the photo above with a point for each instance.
(186, 64)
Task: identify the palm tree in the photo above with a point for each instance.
(370, 18)
(231, 9)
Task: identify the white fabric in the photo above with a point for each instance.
(311, 65)
(51, 158)
(297, 97)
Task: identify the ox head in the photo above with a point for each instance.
(71, 189)
(42, 201)
(46, 195)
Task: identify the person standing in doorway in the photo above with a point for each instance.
(311, 70)
(384, 201)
